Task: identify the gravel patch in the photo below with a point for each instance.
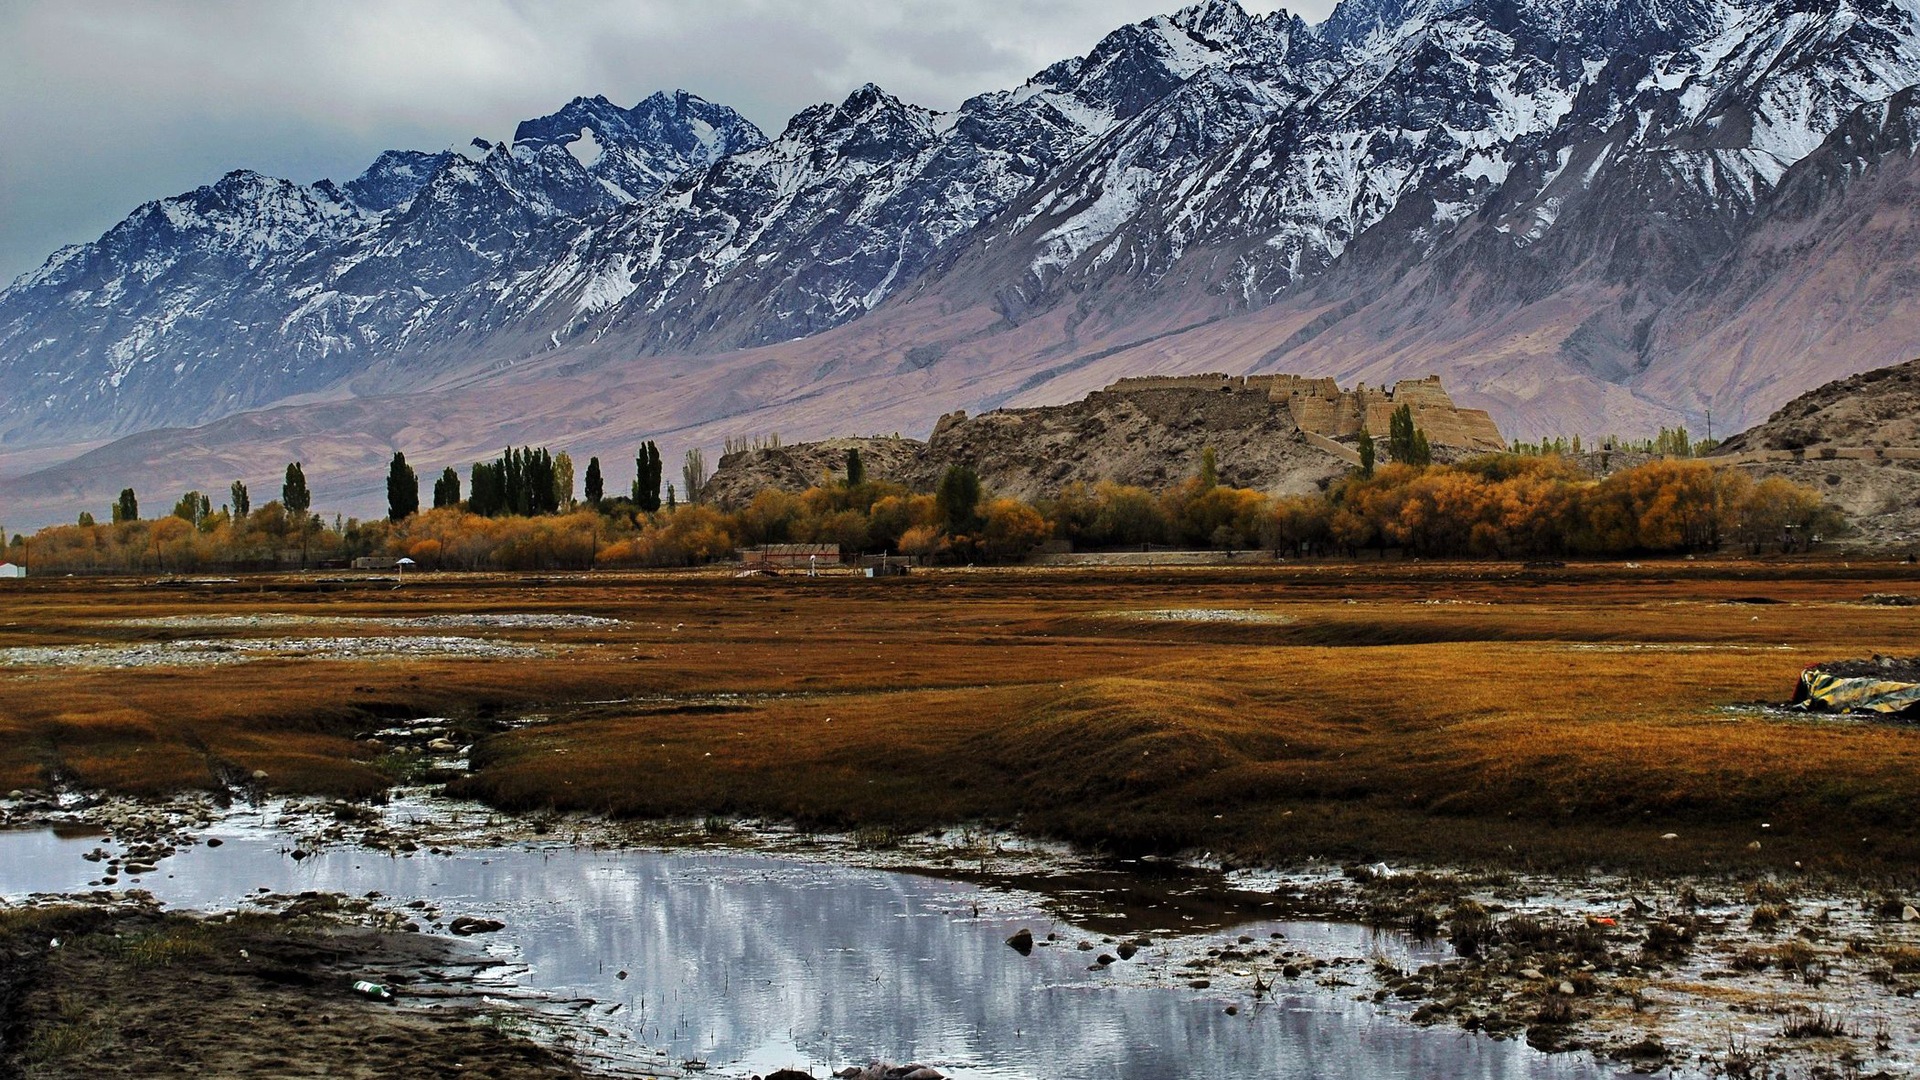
(203, 652)
(495, 621)
(1205, 615)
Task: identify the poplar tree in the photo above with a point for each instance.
(298, 501)
(242, 503)
(856, 469)
(647, 477)
(403, 489)
(596, 485)
(1406, 443)
(127, 507)
(193, 508)
(562, 480)
(956, 502)
(693, 471)
(293, 493)
(446, 490)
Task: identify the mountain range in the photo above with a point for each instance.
(1587, 216)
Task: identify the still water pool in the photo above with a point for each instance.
(754, 963)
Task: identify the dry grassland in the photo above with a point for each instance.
(1450, 712)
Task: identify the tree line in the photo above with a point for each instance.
(520, 514)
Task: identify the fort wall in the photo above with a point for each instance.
(1319, 407)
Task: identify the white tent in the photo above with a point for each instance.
(8, 570)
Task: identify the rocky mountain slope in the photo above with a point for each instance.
(252, 289)
(1600, 216)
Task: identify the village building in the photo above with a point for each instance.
(12, 570)
(791, 557)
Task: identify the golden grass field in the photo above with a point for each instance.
(1450, 712)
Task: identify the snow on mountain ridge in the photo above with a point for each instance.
(1237, 156)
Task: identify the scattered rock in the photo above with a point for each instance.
(1127, 950)
(214, 841)
(466, 926)
(1022, 941)
(1908, 913)
(878, 1071)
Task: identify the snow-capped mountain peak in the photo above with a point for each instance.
(1473, 156)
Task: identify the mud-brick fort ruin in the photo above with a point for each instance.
(1320, 407)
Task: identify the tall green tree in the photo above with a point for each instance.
(596, 484)
(403, 489)
(299, 503)
(1209, 469)
(520, 482)
(562, 480)
(193, 508)
(856, 469)
(1406, 443)
(293, 492)
(693, 472)
(956, 502)
(647, 477)
(126, 507)
(446, 490)
(486, 494)
(1367, 452)
(241, 502)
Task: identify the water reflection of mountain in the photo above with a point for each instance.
(762, 963)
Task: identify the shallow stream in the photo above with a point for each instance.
(751, 963)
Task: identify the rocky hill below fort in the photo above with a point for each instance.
(1856, 440)
(1279, 434)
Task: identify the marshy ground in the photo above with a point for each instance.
(1483, 718)
(1451, 713)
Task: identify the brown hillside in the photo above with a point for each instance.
(1148, 432)
(1856, 440)
(1872, 409)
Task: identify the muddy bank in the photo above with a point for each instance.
(1703, 975)
(122, 989)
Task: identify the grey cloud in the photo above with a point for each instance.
(108, 104)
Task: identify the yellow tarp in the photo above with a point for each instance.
(1821, 692)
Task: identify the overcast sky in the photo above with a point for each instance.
(105, 104)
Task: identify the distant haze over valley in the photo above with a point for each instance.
(1587, 217)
